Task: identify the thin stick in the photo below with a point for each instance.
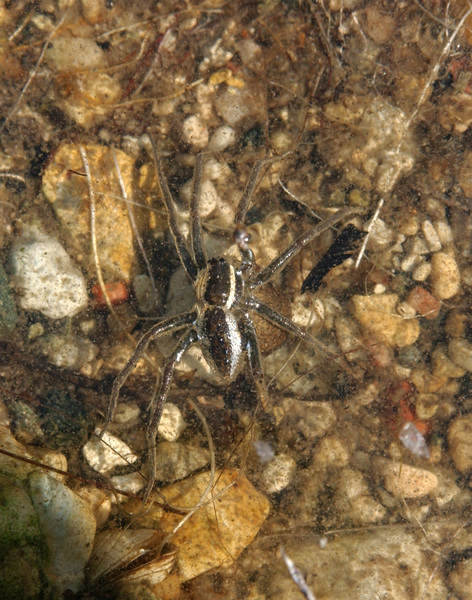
(134, 226)
(369, 230)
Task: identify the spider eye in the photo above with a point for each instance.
(241, 236)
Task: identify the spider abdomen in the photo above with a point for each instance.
(221, 341)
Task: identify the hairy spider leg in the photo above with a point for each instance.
(303, 240)
(171, 324)
(186, 258)
(274, 317)
(196, 231)
(255, 364)
(158, 405)
(251, 185)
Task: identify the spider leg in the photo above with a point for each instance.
(274, 317)
(186, 259)
(303, 240)
(254, 357)
(196, 230)
(158, 405)
(171, 324)
(251, 185)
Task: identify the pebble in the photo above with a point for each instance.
(405, 481)
(424, 303)
(106, 454)
(378, 315)
(430, 235)
(459, 437)
(176, 461)
(309, 420)
(209, 198)
(216, 534)
(68, 524)
(195, 132)
(278, 474)
(222, 138)
(145, 294)
(70, 352)
(444, 232)
(75, 53)
(46, 278)
(69, 197)
(445, 276)
(460, 352)
(421, 272)
(236, 104)
(330, 452)
(172, 423)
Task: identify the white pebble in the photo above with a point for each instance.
(406, 481)
(418, 246)
(71, 352)
(223, 137)
(106, 454)
(444, 232)
(47, 280)
(431, 237)
(379, 288)
(445, 276)
(409, 262)
(405, 310)
(209, 198)
(278, 474)
(380, 233)
(73, 53)
(68, 525)
(195, 132)
(172, 423)
(422, 271)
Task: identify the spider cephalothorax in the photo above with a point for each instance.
(228, 297)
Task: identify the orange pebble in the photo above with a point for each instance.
(424, 303)
(117, 293)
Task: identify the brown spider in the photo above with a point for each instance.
(221, 318)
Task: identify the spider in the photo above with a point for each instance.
(221, 318)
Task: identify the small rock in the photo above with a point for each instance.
(459, 436)
(46, 278)
(131, 483)
(69, 197)
(404, 480)
(430, 235)
(195, 132)
(460, 352)
(176, 461)
(378, 315)
(330, 452)
(146, 295)
(443, 367)
(278, 474)
(69, 526)
(310, 420)
(218, 532)
(106, 454)
(75, 53)
(172, 423)
(421, 272)
(222, 138)
(71, 352)
(445, 276)
(424, 303)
